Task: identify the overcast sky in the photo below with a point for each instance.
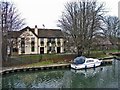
(47, 12)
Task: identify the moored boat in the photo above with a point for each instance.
(83, 62)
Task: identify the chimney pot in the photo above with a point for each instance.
(35, 26)
(36, 30)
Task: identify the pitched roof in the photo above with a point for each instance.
(42, 33)
(52, 33)
(14, 34)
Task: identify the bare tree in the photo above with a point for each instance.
(0, 44)
(112, 30)
(81, 21)
(10, 21)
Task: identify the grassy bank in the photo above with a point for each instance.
(23, 60)
(47, 59)
(42, 63)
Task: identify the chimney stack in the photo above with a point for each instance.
(36, 30)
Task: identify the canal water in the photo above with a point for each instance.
(100, 77)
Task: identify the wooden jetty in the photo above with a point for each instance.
(105, 61)
(24, 69)
(116, 54)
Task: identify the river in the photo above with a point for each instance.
(100, 77)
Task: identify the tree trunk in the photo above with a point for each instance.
(11, 48)
(4, 51)
(88, 51)
(80, 51)
(1, 47)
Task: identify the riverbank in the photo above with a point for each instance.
(33, 68)
(6, 70)
(46, 59)
(104, 76)
(29, 61)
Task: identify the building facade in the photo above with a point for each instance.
(38, 41)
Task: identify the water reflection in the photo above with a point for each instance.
(88, 72)
(101, 77)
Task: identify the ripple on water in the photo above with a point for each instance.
(107, 77)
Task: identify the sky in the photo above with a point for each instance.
(48, 12)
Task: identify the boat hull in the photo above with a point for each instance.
(85, 66)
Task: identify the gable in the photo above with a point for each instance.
(27, 34)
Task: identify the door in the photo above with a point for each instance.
(41, 50)
(58, 49)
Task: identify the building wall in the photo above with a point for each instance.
(46, 46)
(28, 35)
(62, 45)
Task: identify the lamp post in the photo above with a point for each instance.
(39, 55)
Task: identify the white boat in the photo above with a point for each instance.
(83, 62)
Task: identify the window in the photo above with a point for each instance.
(22, 40)
(52, 39)
(32, 48)
(64, 49)
(22, 45)
(49, 40)
(15, 49)
(53, 42)
(89, 61)
(42, 41)
(53, 49)
(58, 41)
(49, 49)
(64, 42)
(32, 39)
(32, 44)
(79, 60)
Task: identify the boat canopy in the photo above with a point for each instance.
(79, 60)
